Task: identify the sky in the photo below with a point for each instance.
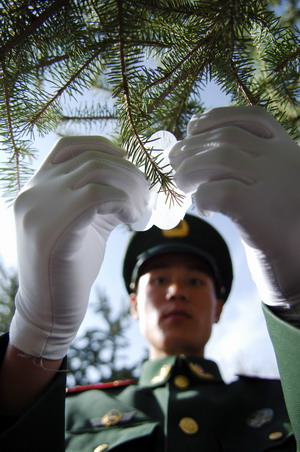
(239, 344)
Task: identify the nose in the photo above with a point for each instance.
(176, 292)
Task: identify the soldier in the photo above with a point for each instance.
(238, 161)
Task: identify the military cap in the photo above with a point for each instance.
(191, 236)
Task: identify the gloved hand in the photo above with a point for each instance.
(64, 216)
(241, 162)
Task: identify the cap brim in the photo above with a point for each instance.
(181, 248)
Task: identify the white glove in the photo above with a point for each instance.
(241, 162)
(64, 216)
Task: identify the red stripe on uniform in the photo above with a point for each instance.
(112, 384)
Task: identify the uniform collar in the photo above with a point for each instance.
(158, 371)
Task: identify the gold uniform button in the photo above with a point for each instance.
(188, 425)
(101, 448)
(181, 381)
(275, 435)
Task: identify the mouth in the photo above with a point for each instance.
(176, 314)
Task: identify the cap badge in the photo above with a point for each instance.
(181, 230)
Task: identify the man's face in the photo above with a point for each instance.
(176, 305)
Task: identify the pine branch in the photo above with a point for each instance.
(181, 8)
(242, 88)
(58, 52)
(11, 134)
(284, 63)
(15, 41)
(89, 118)
(160, 97)
(75, 76)
(178, 65)
(150, 162)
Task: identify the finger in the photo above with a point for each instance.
(113, 177)
(108, 200)
(69, 147)
(90, 166)
(255, 119)
(229, 136)
(220, 164)
(101, 168)
(228, 197)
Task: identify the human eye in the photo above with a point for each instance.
(196, 281)
(159, 280)
(158, 277)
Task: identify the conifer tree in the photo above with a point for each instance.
(102, 353)
(8, 289)
(154, 57)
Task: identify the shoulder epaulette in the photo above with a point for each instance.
(112, 384)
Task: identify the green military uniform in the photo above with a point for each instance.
(182, 404)
(179, 403)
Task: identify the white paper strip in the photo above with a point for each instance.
(160, 212)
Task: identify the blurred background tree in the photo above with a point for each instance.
(99, 353)
(8, 290)
(152, 58)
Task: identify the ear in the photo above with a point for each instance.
(219, 308)
(133, 305)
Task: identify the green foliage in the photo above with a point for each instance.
(8, 290)
(97, 355)
(155, 57)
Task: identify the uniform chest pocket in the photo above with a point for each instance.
(135, 435)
